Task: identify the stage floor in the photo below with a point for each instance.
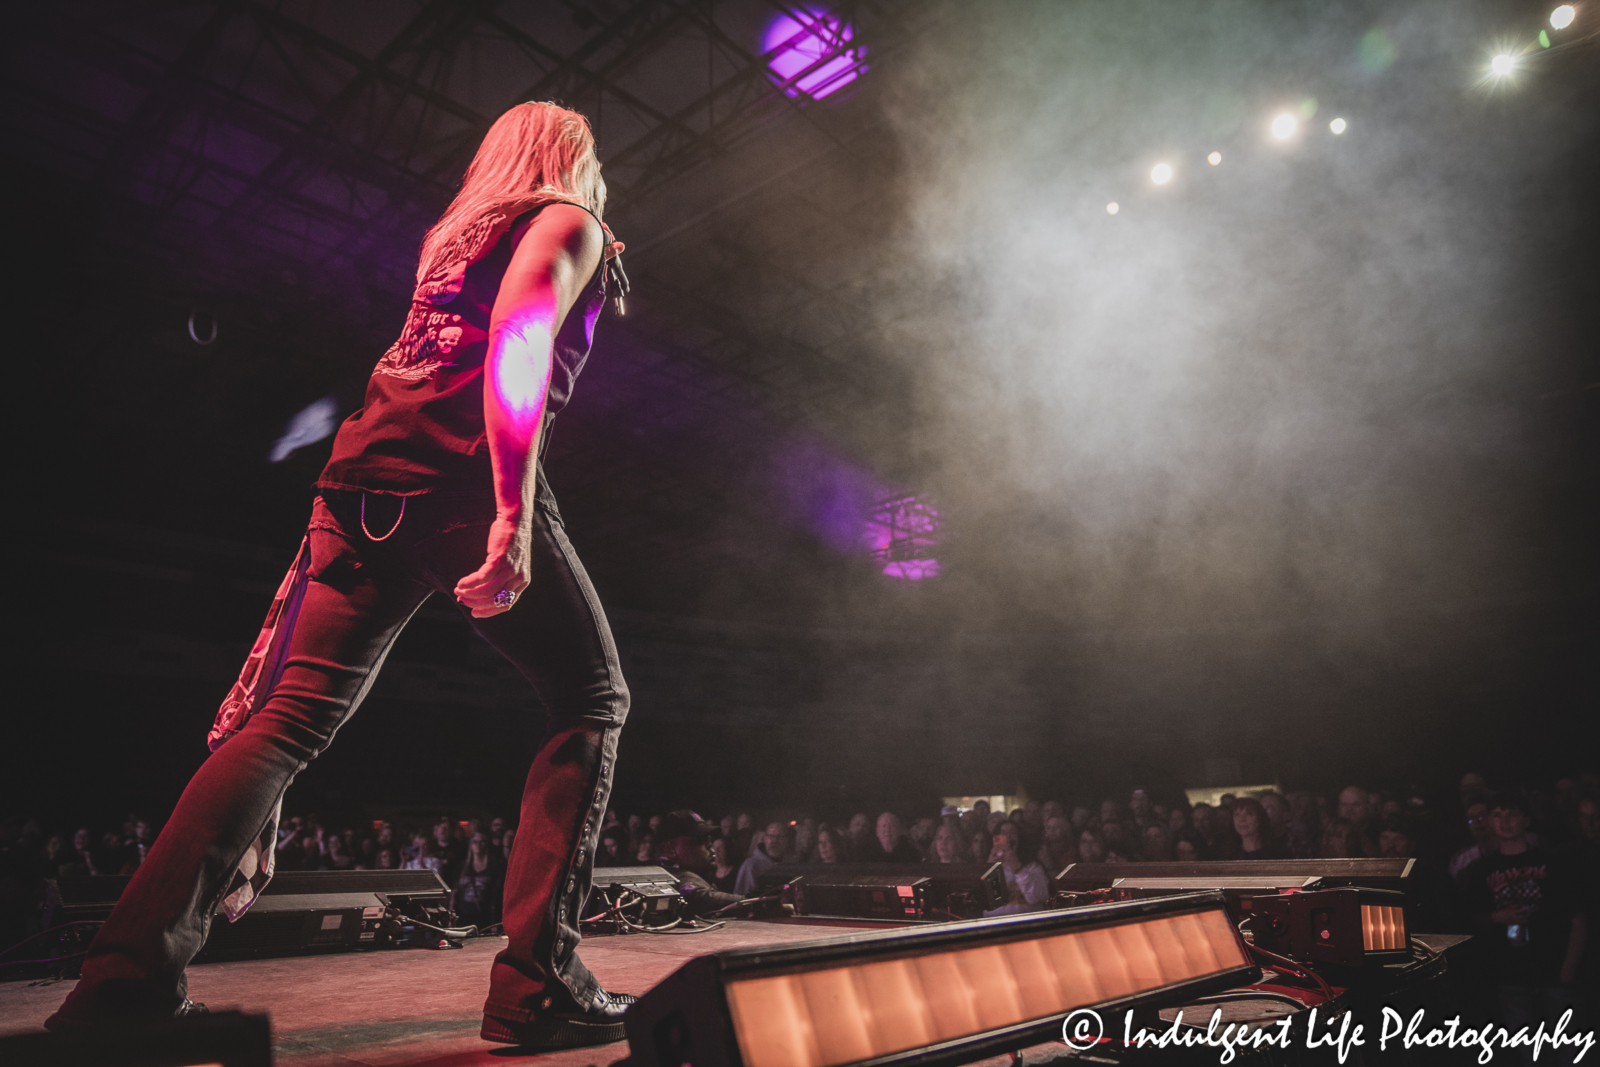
(414, 1007)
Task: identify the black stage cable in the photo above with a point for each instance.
(42, 933)
(1252, 994)
(682, 930)
(457, 933)
(642, 927)
(742, 903)
(52, 959)
(1283, 963)
(614, 912)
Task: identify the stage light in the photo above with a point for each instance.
(1349, 927)
(1337, 126)
(1214, 158)
(1284, 125)
(1562, 17)
(950, 993)
(1112, 208)
(1161, 173)
(806, 38)
(1502, 64)
(1193, 875)
(902, 530)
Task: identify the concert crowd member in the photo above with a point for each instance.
(435, 485)
(893, 844)
(1091, 847)
(481, 883)
(1484, 840)
(1057, 850)
(80, 858)
(1155, 843)
(1257, 841)
(683, 851)
(1526, 903)
(724, 869)
(773, 849)
(450, 851)
(946, 845)
(861, 838)
(1355, 806)
(1027, 883)
(613, 846)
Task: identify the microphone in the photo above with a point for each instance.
(619, 281)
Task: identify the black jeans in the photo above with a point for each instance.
(362, 591)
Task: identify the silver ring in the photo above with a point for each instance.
(505, 598)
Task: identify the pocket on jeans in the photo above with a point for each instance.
(335, 560)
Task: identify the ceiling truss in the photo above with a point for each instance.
(264, 130)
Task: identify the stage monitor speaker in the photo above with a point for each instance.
(1347, 927)
(934, 995)
(907, 892)
(869, 896)
(81, 898)
(304, 912)
(222, 1039)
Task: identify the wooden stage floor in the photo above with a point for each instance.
(415, 1007)
(421, 1008)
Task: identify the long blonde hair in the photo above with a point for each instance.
(533, 150)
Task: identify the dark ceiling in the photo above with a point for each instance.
(271, 167)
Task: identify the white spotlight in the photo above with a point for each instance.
(1337, 125)
(1502, 64)
(1283, 126)
(1112, 208)
(1214, 158)
(1161, 174)
(1562, 17)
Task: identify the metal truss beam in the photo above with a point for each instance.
(392, 138)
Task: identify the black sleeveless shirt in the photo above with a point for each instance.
(421, 428)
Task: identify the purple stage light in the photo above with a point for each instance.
(808, 51)
(913, 570)
(826, 492)
(903, 531)
(854, 510)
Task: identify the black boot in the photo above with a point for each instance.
(600, 1025)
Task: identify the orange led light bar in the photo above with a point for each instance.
(834, 1015)
(934, 994)
(1383, 928)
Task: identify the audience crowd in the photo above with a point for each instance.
(1519, 867)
